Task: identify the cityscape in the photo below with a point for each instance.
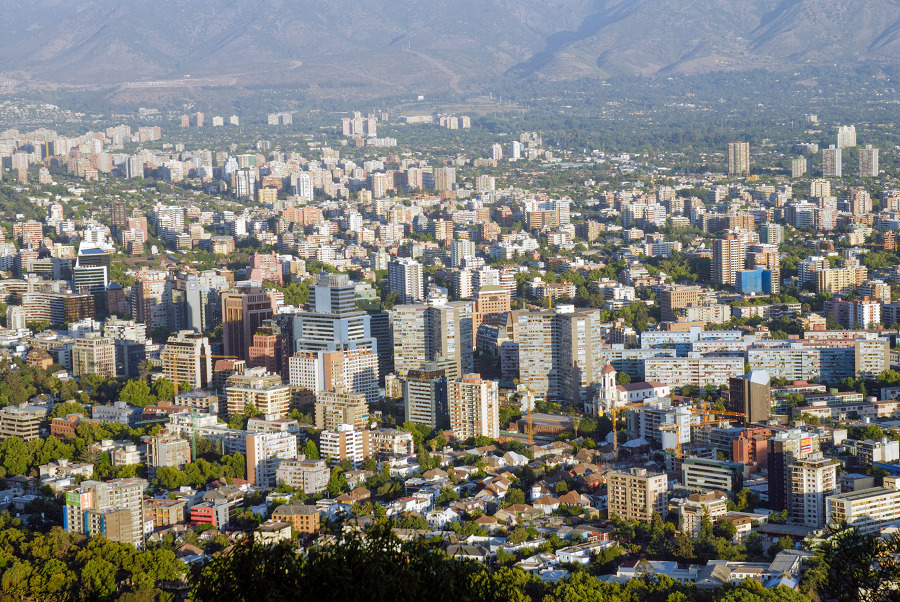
(451, 345)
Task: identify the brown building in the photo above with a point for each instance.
(64, 427)
(677, 297)
(267, 348)
(752, 448)
(303, 519)
(243, 313)
(164, 513)
(750, 395)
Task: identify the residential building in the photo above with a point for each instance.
(303, 519)
(691, 511)
(94, 355)
(637, 494)
(701, 474)
(474, 407)
(264, 452)
(167, 450)
(24, 421)
(831, 162)
(260, 389)
(786, 449)
(868, 162)
(812, 480)
(868, 509)
(114, 509)
(339, 406)
(739, 159)
(406, 279)
(344, 443)
(309, 475)
(425, 398)
(187, 359)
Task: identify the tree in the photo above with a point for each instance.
(67, 408)
(311, 451)
(136, 392)
(517, 536)
(514, 496)
(163, 389)
(622, 378)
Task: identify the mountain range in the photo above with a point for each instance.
(414, 45)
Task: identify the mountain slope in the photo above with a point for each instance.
(410, 44)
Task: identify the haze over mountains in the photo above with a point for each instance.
(404, 45)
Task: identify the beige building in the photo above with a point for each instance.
(167, 450)
(691, 510)
(187, 358)
(303, 519)
(309, 475)
(474, 407)
(264, 452)
(812, 481)
(23, 421)
(114, 509)
(637, 494)
(94, 355)
(868, 509)
(338, 407)
(258, 388)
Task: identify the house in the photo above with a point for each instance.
(582, 552)
(535, 564)
(272, 533)
(573, 498)
(440, 519)
(546, 504)
(468, 552)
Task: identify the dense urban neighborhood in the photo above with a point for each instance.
(406, 341)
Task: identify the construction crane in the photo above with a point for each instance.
(612, 413)
(705, 412)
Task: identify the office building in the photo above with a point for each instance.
(187, 359)
(114, 509)
(637, 494)
(336, 407)
(405, 278)
(738, 159)
(264, 452)
(425, 398)
(23, 421)
(333, 322)
(750, 394)
(812, 481)
(267, 350)
(831, 162)
(474, 407)
(243, 313)
(702, 474)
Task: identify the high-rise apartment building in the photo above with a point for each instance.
(355, 370)
(425, 333)
(637, 494)
(406, 279)
(264, 452)
(729, 256)
(846, 136)
(786, 449)
(243, 313)
(114, 509)
(474, 407)
(340, 406)
(187, 358)
(812, 481)
(425, 398)
(738, 159)
(560, 354)
(868, 162)
(831, 162)
(267, 350)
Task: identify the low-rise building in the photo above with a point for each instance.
(303, 519)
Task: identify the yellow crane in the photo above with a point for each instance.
(612, 417)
